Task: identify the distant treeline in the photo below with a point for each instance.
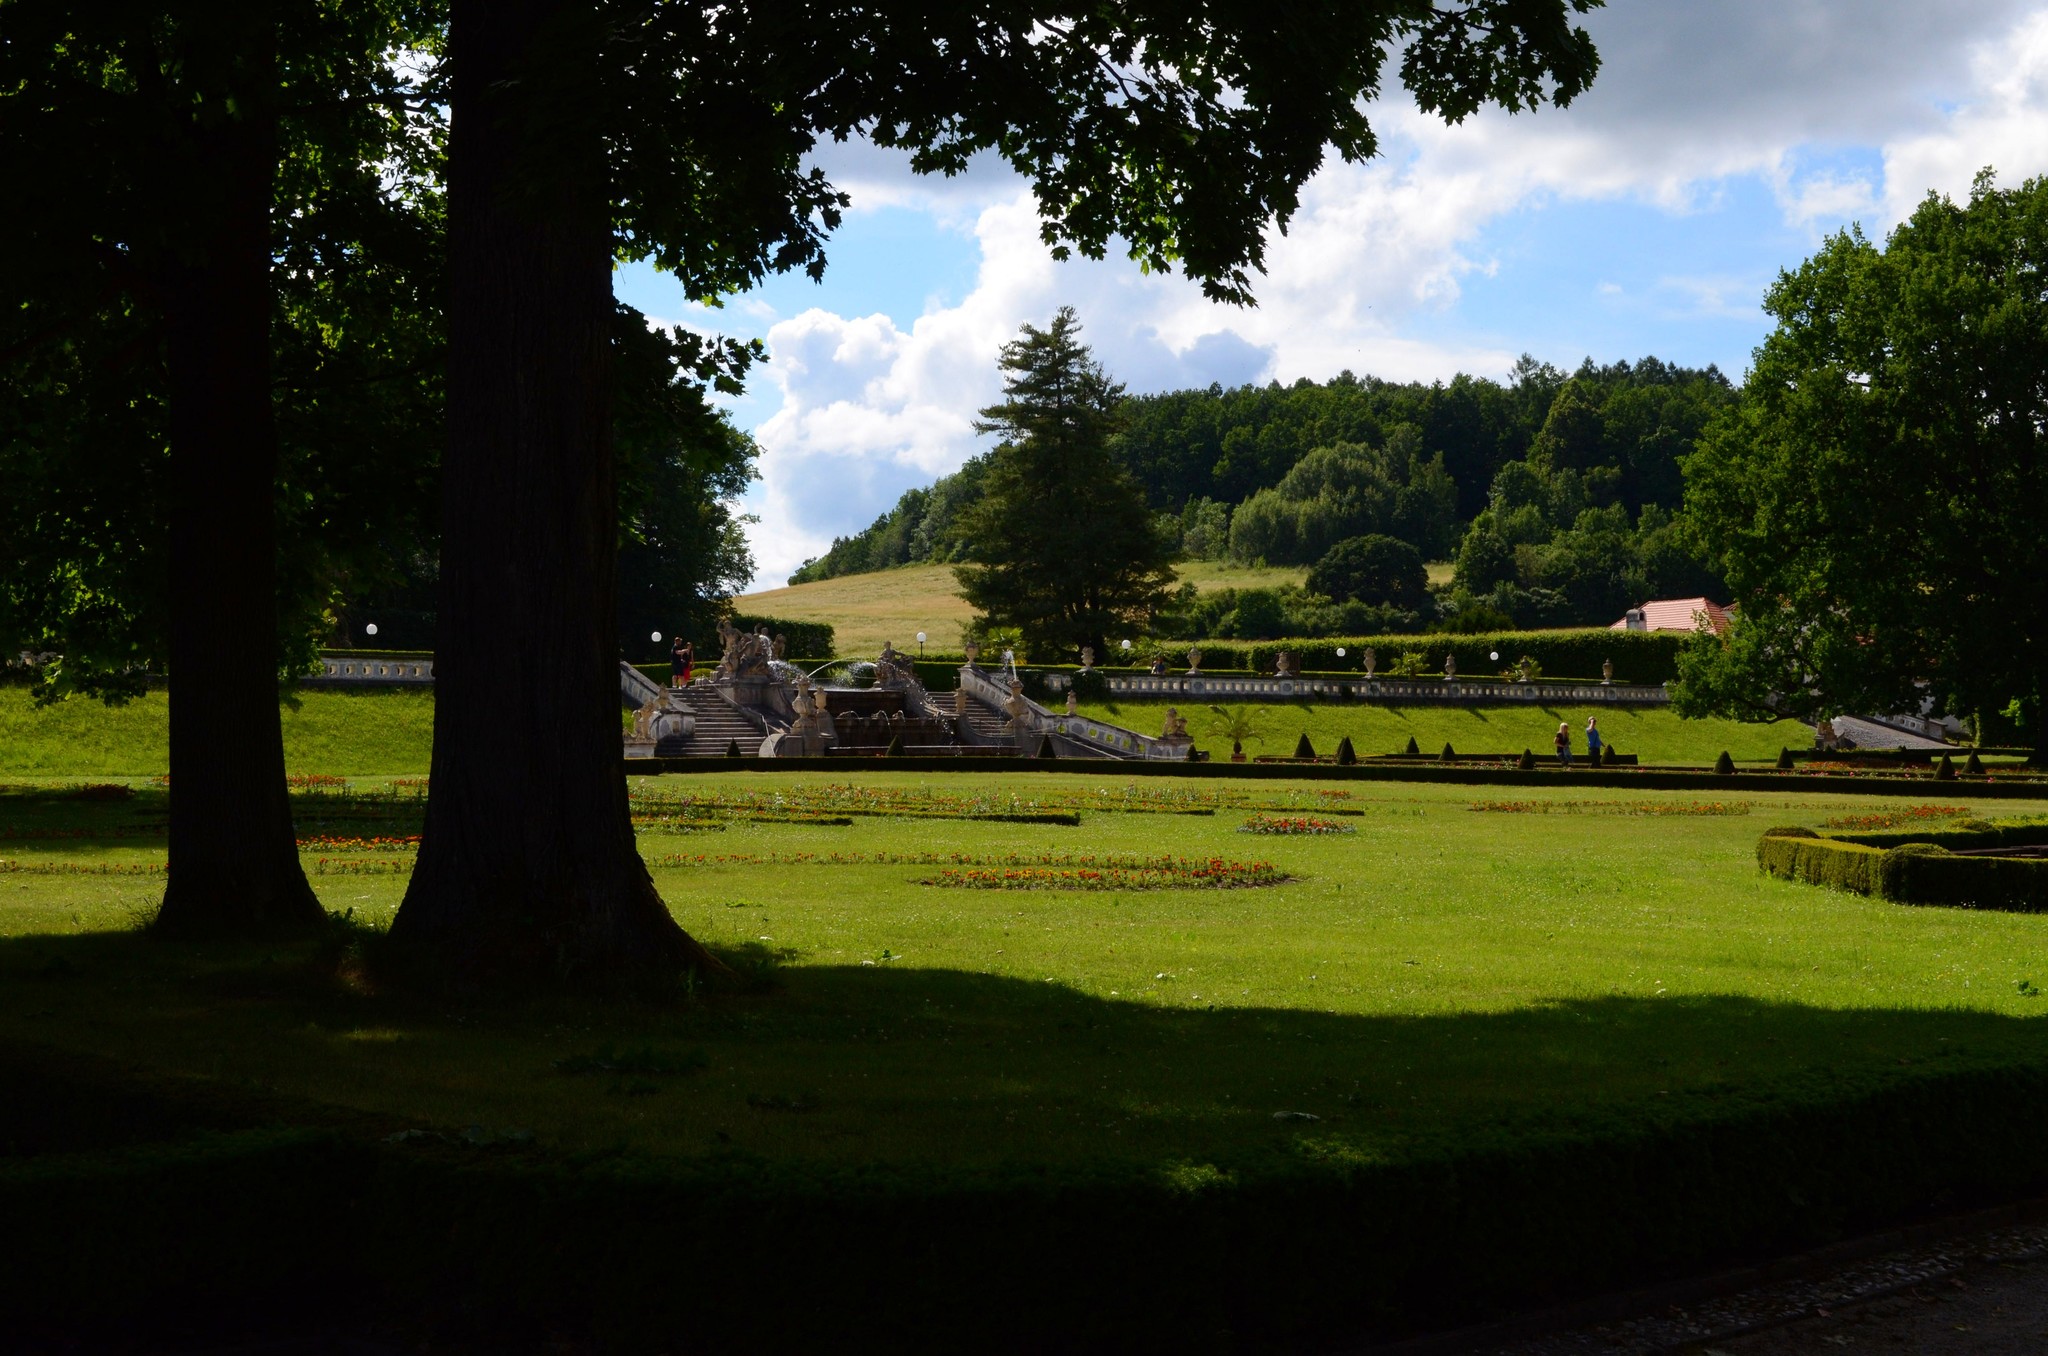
(1554, 493)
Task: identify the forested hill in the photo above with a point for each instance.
(1564, 465)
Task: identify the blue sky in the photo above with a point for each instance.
(1723, 140)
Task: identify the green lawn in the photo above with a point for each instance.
(1439, 971)
(330, 730)
(1654, 735)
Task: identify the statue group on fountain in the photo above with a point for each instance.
(745, 654)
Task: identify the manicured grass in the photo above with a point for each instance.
(329, 730)
(1654, 735)
(1440, 971)
(894, 605)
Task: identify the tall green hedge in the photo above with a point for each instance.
(1639, 656)
(805, 638)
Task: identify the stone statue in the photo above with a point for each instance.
(1287, 666)
(1450, 668)
(643, 719)
(1607, 671)
(781, 646)
(1073, 703)
(890, 668)
(1087, 657)
(1176, 726)
(1371, 661)
(1194, 661)
(960, 702)
(1824, 737)
(1019, 709)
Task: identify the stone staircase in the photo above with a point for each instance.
(982, 724)
(718, 724)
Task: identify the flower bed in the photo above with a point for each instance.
(353, 866)
(404, 842)
(1293, 824)
(1653, 808)
(10, 867)
(1163, 873)
(1908, 817)
(1021, 870)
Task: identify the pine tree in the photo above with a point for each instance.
(1062, 546)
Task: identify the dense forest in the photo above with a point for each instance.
(1554, 494)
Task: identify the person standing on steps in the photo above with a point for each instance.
(682, 659)
(1564, 743)
(1593, 739)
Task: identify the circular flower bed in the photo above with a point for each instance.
(1293, 824)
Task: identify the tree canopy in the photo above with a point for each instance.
(1062, 546)
(1877, 499)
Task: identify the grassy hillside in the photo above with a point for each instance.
(894, 605)
(1654, 735)
(334, 731)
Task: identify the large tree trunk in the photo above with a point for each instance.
(528, 873)
(234, 864)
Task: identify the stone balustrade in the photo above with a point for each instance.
(1111, 739)
(339, 666)
(1391, 691)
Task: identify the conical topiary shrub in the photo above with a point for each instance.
(1302, 748)
(1784, 759)
(1449, 755)
(1045, 749)
(1527, 762)
(732, 748)
(1412, 746)
(1945, 770)
(1724, 764)
(1975, 765)
(1194, 755)
(895, 749)
(1346, 755)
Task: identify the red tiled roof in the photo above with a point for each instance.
(1680, 614)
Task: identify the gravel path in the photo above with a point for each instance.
(1979, 1294)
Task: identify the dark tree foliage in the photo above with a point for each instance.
(1877, 500)
(1063, 548)
(1372, 570)
(681, 462)
(192, 188)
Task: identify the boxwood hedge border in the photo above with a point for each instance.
(1543, 775)
(1915, 868)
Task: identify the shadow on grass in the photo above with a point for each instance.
(937, 1066)
(1015, 1164)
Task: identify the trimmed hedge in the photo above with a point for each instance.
(1911, 869)
(1639, 656)
(803, 637)
(1373, 769)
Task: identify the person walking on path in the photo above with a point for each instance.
(682, 659)
(1564, 744)
(1593, 740)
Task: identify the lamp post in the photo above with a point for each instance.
(920, 644)
(370, 630)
